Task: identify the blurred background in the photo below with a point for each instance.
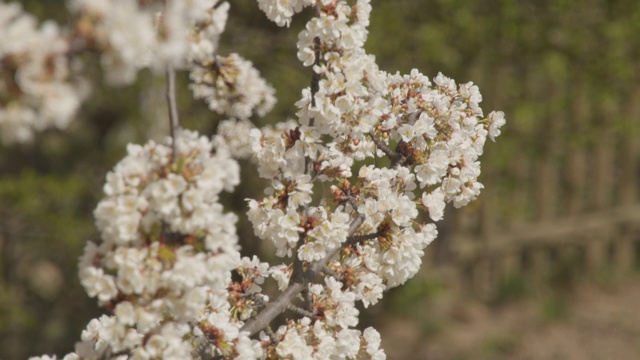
(544, 265)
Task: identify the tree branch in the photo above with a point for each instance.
(174, 128)
(297, 274)
(300, 311)
(359, 238)
(315, 86)
(272, 336)
(384, 147)
(275, 308)
(396, 157)
(402, 156)
(332, 273)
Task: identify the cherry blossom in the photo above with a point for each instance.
(356, 183)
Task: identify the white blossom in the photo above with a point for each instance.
(231, 85)
(281, 11)
(497, 121)
(434, 202)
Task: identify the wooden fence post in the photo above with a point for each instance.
(596, 250)
(576, 164)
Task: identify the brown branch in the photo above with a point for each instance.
(300, 311)
(174, 128)
(315, 87)
(275, 308)
(405, 156)
(297, 274)
(396, 157)
(351, 240)
(384, 147)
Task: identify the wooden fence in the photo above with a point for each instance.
(567, 194)
(607, 241)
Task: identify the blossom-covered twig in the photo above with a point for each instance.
(168, 268)
(276, 307)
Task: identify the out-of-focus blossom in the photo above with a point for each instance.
(36, 92)
(231, 85)
(131, 35)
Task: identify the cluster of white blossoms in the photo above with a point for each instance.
(131, 34)
(318, 340)
(280, 11)
(233, 135)
(167, 251)
(239, 138)
(364, 234)
(349, 231)
(231, 85)
(35, 88)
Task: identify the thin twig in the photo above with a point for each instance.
(298, 270)
(174, 120)
(275, 308)
(396, 157)
(315, 78)
(332, 273)
(300, 311)
(402, 157)
(360, 238)
(297, 275)
(306, 294)
(174, 128)
(272, 335)
(315, 87)
(352, 201)
(384, 147)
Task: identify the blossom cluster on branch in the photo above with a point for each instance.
(36, 88)
(167, 252)
(132, 34)
(392, 149)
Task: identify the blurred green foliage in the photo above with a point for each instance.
(555, 308)
(561, 70)
(498, 346)
(422, 290)
(511, 288)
